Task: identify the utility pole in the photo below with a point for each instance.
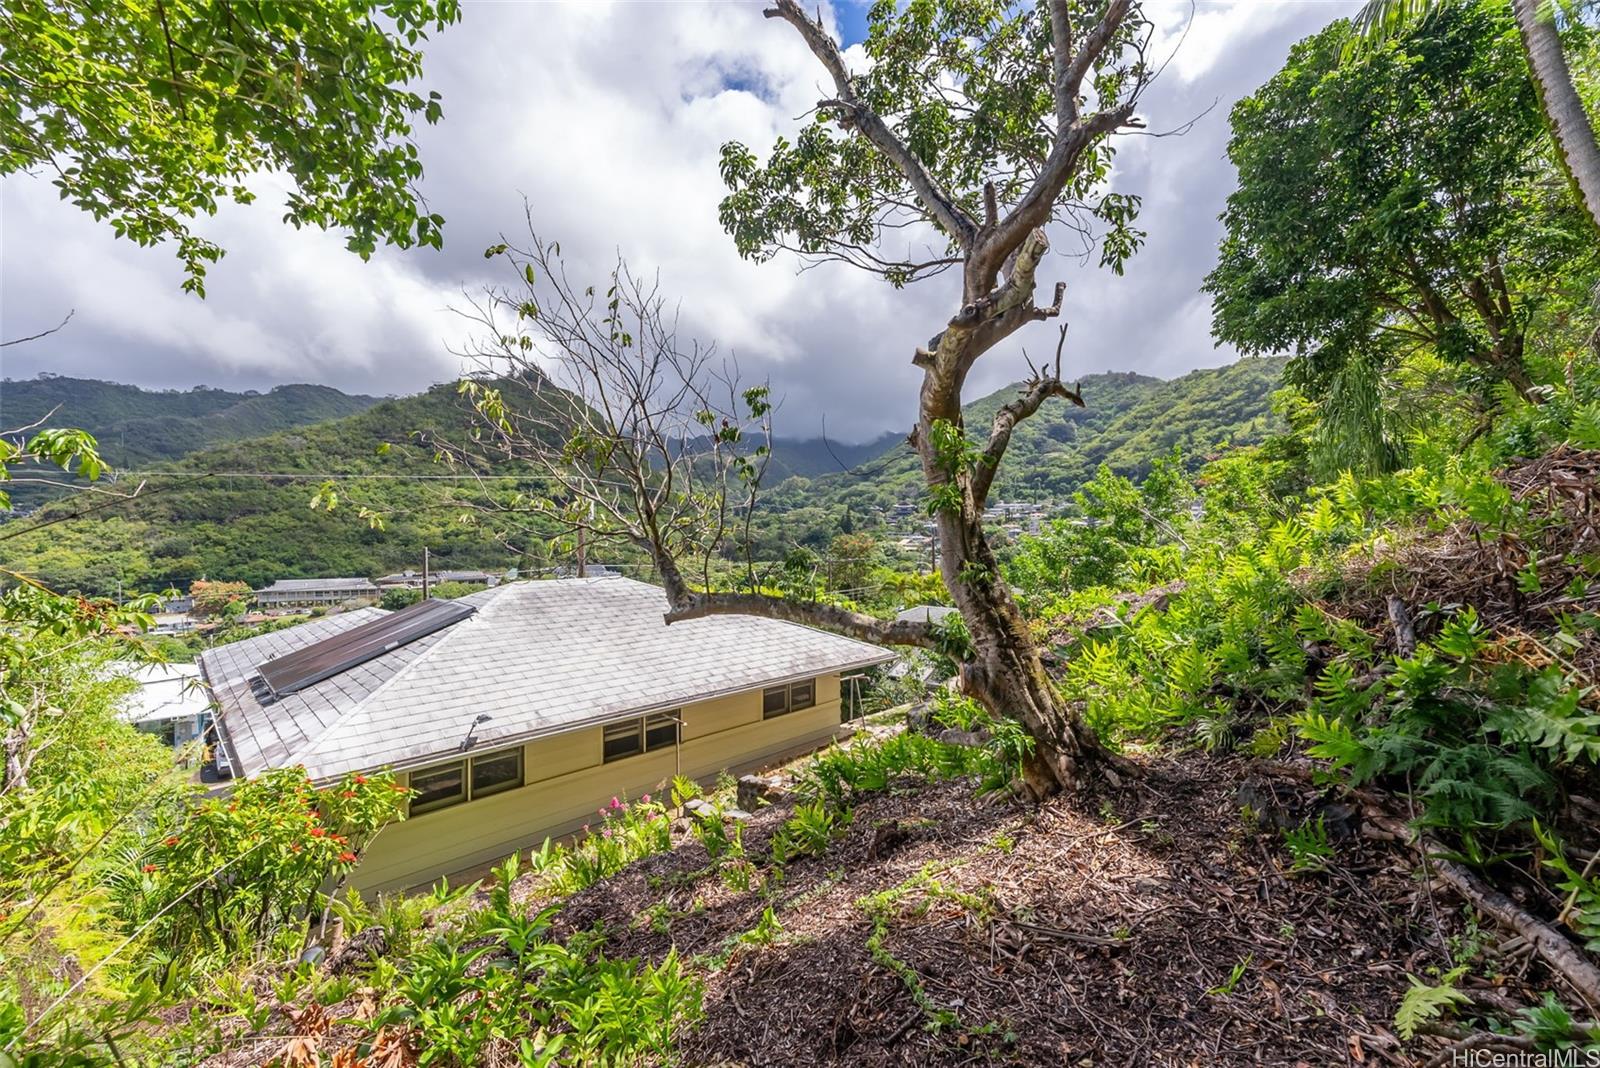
(424, 572)
(582, 561)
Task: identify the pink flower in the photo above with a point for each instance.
(606, 833)
(645, 799)
(615, 803)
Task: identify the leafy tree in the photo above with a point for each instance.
(149, 112)
(966, 105)
(399, 597)
(215, 598)
(850, 558)
(1398, 203)
(1570, 125)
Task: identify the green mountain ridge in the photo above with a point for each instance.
(250, 520)
(136, 425)
(1128, 422)
(241, 510)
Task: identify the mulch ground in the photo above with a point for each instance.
(1047, 935)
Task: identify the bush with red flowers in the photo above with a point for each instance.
(247, 870)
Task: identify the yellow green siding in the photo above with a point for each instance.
(565, 782)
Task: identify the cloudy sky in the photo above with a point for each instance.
(608, 120)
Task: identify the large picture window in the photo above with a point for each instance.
(645, 735)
(466, 779)
(781, 700)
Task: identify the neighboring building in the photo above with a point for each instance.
(514, 713)
(311, 593)
(925, 613)
(412, 580)
(170, 701)
(566, 571)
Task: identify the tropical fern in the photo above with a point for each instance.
(1425, 1002)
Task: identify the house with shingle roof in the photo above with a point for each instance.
(514, 713)
(317, 592)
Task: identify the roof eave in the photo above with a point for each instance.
(524, 737)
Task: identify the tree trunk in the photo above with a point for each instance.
(1004, 672)
(1570, 126)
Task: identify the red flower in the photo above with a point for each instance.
(317, 832)
(173, 840)
(347, 857)
(347, 793)
(361, 779)
(149, 867)
(294, 848)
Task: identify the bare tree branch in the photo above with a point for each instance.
(1040, 387)
(45, 333)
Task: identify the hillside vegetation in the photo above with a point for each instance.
(1129, 422)
(1276, 742)
(139, 426)
(236, 526)
(251, 520)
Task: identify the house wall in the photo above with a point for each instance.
(565, 782)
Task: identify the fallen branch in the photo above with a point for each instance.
(1557, 951)
(1405, 634)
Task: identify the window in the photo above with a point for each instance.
(494, 772)
(623, 740)
(436, 787)
(661, 731)
(465, 780)
(779, 700)
(636, 736)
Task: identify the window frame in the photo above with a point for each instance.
(473, 792)
(642, 726)
(460, 798)
(468, 792)
(787, 691)
(769, 712)
(606, 733)
(672, 720)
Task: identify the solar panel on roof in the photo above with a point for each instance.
(331, 656)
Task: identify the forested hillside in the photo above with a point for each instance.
(1129, 421)
(138, 426)
(241, 511)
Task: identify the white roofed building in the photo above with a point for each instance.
(515, 712)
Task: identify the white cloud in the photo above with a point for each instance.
(609, 118)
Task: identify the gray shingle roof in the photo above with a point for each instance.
(539, 657)
(924, 613)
